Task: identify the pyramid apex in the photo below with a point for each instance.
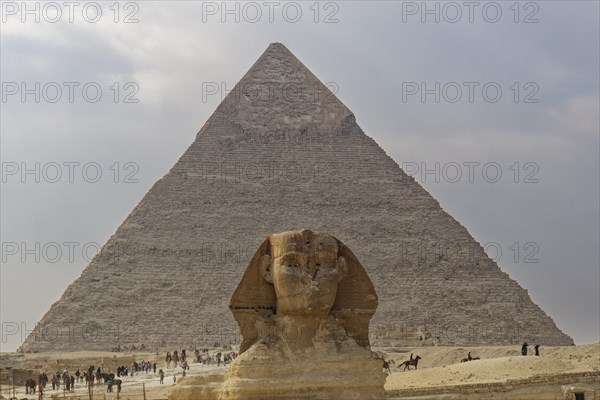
(277, 47)
(280, 93)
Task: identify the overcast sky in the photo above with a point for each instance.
(505, 87)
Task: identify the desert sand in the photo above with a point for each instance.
(502, 373)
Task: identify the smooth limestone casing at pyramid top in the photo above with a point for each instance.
(281, 152)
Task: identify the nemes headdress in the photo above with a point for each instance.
(254, 302)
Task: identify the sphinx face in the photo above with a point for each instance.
(305, 269)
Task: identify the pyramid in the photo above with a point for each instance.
(281, 152)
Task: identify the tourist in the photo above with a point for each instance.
(161, 374)
(537, 349)
(154, 367)
(524, 349)
(168, 359)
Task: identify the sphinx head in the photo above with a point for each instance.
(303, 275)
(305, 269)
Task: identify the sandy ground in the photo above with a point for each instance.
(132, 387)
(439, 366)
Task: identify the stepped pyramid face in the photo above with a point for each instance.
(280, 153)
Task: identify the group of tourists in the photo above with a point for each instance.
(203, 357)
(88, 376)
(67, 380)
(144, 366)
(175, 358)
(536, 349)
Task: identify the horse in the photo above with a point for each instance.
(408, 363)
(118, 383)
(386, 365)
(98, 377)
(107, 376)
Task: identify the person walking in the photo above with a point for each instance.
(524, 349)
(537, 349)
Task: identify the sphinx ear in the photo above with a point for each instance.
(342, 266)
(265, 268)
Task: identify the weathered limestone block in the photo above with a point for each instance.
(197, 387)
